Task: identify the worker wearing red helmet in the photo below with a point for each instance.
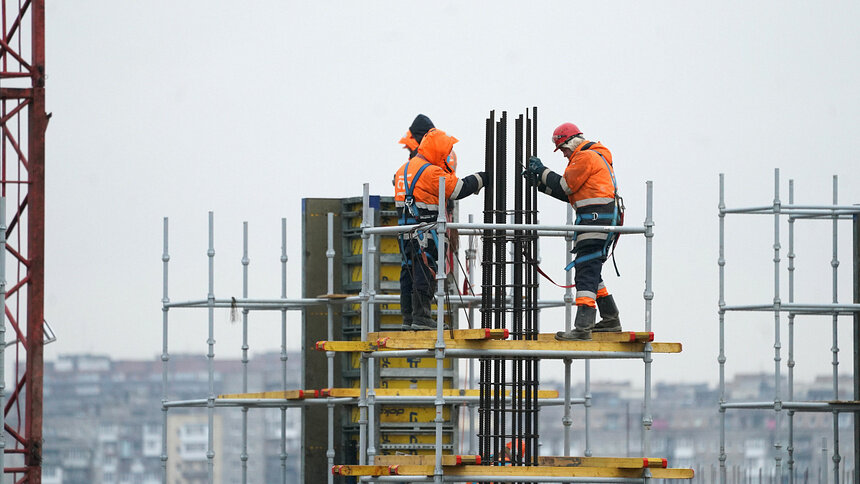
(416, 195)
(588, 184)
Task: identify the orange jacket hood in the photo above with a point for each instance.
(408, 141)
(436, 146)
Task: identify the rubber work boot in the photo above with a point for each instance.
(583, 324)
(422, 319)
(406, 312)
(609, 321)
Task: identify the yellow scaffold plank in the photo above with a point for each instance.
(418, 392)
(427, 460)
(620, 462)
(525, 471)
(448, 334)
(335, 296)
(521, 345)
(617, 337)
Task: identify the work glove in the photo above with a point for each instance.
(485, 179)
(536, 168)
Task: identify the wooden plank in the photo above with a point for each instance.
(534, 471)
(618, 337)
(416, 392)
(620, 462)
(451, 334)
(521, 345)
(426, 460)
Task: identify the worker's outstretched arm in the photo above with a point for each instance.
(547, 180)
(470, 185)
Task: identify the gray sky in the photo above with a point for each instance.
(244, 108)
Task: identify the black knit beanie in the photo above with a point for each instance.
(420, 127)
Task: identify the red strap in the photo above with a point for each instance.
(549, 278)
(544, 273)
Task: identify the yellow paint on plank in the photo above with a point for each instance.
(403, 414)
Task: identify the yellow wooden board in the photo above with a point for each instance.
(450, 334)
(408, 392)
(277, 395)
(567, 346)
(428, 460)
(523, 471)
(620, 462)
(618, 337)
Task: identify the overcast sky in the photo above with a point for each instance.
(244, 108)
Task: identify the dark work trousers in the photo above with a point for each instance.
(416, 274)
(587, 276)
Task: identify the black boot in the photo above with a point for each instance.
(422, 317)
(406, 311)
(609, 320)
(583, 324)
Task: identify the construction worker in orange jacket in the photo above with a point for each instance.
(416, 195)
(588, 183)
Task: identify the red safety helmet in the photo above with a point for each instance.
(564, 133)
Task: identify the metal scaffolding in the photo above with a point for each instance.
(834, 309)
(518, 397)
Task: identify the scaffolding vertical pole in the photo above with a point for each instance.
(648, 296)
(471, 255)
(721, 262)
(365, 264)
(441, 227)
(566, 420)
(777, 345)
(371, 326)
(329, 253)
(856, 224)
(165, 357)
(283, 453)
(835, 265)
(2, 332)
(210, 401)
(791, 316)
(243, 457)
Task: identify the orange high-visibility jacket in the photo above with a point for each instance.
(433, 151)
(587, 179)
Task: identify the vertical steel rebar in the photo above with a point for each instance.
(777, 344)
(517, 392)
(487, 295)
(721, 262)
(330, 337)
(835, 349)
(210, 401)
(243, 456)
(165, 357)
(791, 315)
(535, 327)
(283, 452)
(856, 323)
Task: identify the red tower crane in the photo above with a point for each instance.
(23, 121)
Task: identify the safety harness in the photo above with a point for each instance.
(615, 218)
(409, 216)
